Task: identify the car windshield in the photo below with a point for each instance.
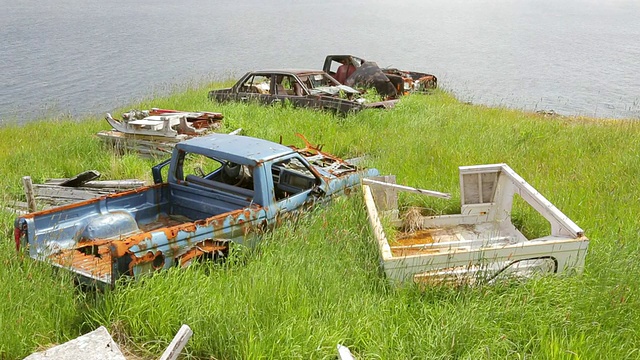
(323, 84)
(333, 90)
(318, 80)
(315, 81)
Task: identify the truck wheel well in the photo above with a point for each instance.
(205, 250)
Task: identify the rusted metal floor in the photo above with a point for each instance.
(96, 264)
(163, 221)
(94, 259)
(442, 239)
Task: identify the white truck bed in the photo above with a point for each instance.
(478, 245)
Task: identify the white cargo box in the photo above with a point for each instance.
(478, 245)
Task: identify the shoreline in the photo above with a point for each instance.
(317, 282)
(48, 112)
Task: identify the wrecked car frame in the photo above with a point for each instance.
(480, 244)
(153, 133)
(165, 122)
(389, 82)
(302, 88)
(220, 188)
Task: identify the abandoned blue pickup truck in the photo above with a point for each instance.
(218, 189)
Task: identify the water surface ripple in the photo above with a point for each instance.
(576, 57)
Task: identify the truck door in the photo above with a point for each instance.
(295, 186)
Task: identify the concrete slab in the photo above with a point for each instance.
(96, 345)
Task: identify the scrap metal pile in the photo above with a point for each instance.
(154, 133)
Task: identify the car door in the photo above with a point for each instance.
(297, 93)
(288, 89)
(295, 186)
(255, 87)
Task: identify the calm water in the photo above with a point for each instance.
(88, 56)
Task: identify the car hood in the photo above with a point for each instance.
(333, 90)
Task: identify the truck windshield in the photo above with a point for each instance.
(291, 177)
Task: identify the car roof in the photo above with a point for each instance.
(345, 56)
(289, 71)
(239, 149)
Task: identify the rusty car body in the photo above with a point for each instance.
(478, 245)
(165, 122)
(389, 82)
(302, 88)
(219, 188)
(153, 133)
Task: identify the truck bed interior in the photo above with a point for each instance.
(443, 238)
(480, 242)
(94, 225)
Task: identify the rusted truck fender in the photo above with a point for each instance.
(220, 189)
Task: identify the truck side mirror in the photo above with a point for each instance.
(157, 171)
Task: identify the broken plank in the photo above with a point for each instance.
(81, 178)
(28, 190)
(61, 195)
(409, 189)
(114, 184)
(101, 184)
(178, 343)
(18, 210)
(344, 353)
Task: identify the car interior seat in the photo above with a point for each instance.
(280, 90)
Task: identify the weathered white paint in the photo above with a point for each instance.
(408, 189)
(344, 353)
(178, 343)
(96, 345)
(480, 242)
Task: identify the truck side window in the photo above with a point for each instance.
(291, 177)
(199, 165)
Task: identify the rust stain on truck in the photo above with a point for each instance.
(219, 189)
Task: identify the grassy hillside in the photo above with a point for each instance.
(315, 282)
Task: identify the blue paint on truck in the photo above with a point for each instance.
(218, 189)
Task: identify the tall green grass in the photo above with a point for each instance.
(315, 282)
(39, 305)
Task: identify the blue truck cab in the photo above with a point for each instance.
(214, 190)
